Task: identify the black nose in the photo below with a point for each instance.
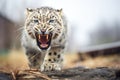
(43, 31)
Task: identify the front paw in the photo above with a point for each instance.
(50, 67)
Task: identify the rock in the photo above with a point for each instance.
(4, 76)
(83, 74)
(79, 73)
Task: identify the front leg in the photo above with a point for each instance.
(35, 58)
(53, 59)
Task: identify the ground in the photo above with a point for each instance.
(76, 68)
(67, 74)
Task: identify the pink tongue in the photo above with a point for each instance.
(43, 39)
(43, 45)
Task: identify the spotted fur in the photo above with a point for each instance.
(49, 20)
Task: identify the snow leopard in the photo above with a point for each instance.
(44, 38)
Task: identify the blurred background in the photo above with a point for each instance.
(94, 27)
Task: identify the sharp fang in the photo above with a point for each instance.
(39, 36)
(47, 36)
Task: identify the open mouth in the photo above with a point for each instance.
(43, 40)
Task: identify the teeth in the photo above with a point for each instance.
(47, 37)
(39, 36)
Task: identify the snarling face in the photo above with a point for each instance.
(45, 25)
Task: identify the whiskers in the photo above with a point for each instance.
(20, 29)
(19, 32)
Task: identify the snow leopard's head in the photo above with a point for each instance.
(44, 24)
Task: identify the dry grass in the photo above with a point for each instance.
(103, 61)
(16, 64)
(14, 61)
(100, 61)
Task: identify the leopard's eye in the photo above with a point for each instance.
(51, 21)
(36, 21)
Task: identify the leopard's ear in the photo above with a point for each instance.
(60, 11)
(28, 11)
